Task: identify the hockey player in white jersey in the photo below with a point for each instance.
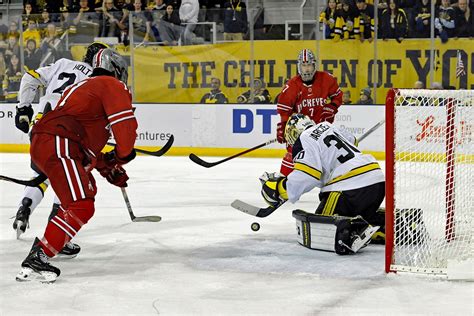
(352, 185)
(56, 78)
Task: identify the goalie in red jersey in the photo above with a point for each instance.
(313, 93)
(66, 145)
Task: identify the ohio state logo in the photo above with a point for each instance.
(307, 103)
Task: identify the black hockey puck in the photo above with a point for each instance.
(255, 226)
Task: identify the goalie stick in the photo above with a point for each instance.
(157, 153)
(41, 178)
(254, 210)
(265, 211)
(151, 218)
(206, 164)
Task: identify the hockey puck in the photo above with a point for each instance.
(255, 226)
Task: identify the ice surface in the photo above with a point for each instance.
(203, 258)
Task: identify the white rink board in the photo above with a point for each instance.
(217, 126)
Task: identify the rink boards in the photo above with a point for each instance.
(214, 129)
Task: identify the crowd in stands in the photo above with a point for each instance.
(45, 23)
(397, 19)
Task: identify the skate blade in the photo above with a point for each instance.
(364, 238)
(64, 256)
(28, 274)
(19, 231)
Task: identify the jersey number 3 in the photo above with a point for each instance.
(70, 79)
(333, 140)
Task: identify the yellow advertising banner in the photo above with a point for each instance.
(183, 74)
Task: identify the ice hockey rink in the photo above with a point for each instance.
(203, 258)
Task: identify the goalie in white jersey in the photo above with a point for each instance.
(352, 184)
(56, 78)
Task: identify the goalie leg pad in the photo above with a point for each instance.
(339, 234)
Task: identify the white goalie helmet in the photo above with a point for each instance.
(111, 61)
(295, 126)
(306, 64)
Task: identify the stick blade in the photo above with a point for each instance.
(245, 207)
(201, 162)
(153, 218)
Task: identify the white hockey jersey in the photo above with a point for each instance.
(55, 77)
(326, 157)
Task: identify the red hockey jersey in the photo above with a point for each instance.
(89, 111)
(298, 97)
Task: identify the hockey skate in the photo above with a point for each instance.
(22, 217)
(363, 239)
(36, 267)
(69, 251)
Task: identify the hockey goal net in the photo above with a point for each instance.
(429, 182)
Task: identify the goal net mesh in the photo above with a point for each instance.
(433, 179)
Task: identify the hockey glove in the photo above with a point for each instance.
(281, 132)
(110, 160)
(116, 176)
(329, 111)
(274, 191)
(23, 118)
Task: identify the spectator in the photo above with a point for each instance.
(365, 21)
(445, 21)
(394, 23)
(28, 14)
(110, 20)
(188, 13)
(422, 19)
(11, 81)
(65, 21)
(13, 30)
(2, 74)
(215, 95)
(44, 20)
(332, 21)
(365, 97)
(158, 10)
(464, 20)
(32, 32)
(348, 15)
(12, 48)
(346, 97)
(141, 20)
(86, 23)
(418, 85)
(235, 20)
(51, 44)
(32, 55)
(260, 94)
(170, 28)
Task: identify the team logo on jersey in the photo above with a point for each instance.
(307, 103)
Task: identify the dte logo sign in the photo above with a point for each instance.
(244, 119)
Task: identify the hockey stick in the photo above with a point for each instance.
(206, 164)
(41, 178)
(29, 183)
(371, 130)
(254, 210)
(153, 218)
(157, 153)
(263, 212)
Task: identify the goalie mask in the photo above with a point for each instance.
(111, 61)
(295, 126)
(93, 49)
(306, 65)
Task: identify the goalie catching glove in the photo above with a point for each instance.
(273, 188)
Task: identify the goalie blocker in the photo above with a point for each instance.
(339, 234)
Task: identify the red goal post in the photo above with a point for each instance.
(429, 182)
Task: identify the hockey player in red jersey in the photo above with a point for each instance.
(312, 93)
(66, 145)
